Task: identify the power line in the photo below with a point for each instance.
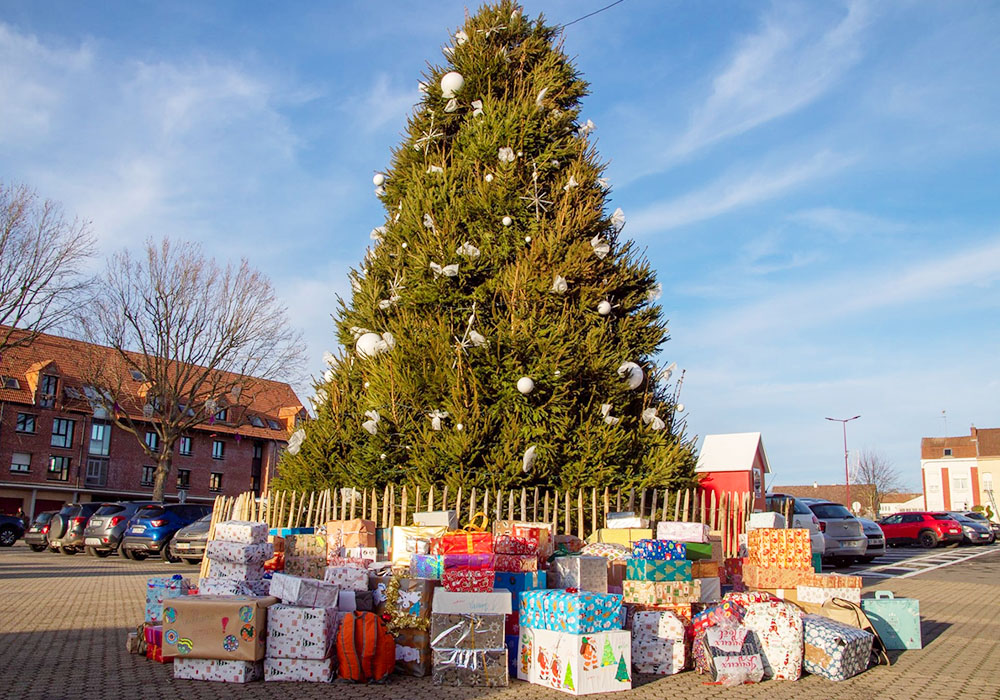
(595, 12)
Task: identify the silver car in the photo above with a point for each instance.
(876, 539)
(843, 533)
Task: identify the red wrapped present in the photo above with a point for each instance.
(154, 652)
(467, 543)
(513, 544)
(469, 580)
(515, 562)
(477, 562)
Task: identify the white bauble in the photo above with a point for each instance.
(527, 239)
(489, 177)
(379, 179)
(459, 426)
(631, 373)
(506, 221)
(451, 84)
(525, 385)
(604, 308)
(369, 345)
(679, 408)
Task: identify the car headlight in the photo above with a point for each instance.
(968, 530)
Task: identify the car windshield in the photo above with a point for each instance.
(828, 511)
(109, 509)
(962, 519)
(149, 512)
(205, 518)
(976, 516)
(942, 516)
(44, 517)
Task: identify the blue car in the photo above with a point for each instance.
(152, 527)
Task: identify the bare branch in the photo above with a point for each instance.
(877, 471)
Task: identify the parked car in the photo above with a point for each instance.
(929, 529)
(104, 530)
(973, 532)
(37, 536)
(152, 527)
(189, 543)
(801, 517)
(844, 536)
(11, 530)
(981, 518)
(67, 526)
(876, 539)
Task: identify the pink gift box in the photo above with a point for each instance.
(469, 580)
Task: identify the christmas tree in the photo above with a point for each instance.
(501, 331)
(608, 658)
(622, 674)
(568, 681)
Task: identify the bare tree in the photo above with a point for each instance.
(41, 259)
(191, 338)
(875, 469)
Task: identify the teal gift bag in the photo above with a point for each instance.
(897, 620)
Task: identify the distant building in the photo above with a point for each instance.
(959, 472)
(56, 447)
(835, 493)
(900, 503)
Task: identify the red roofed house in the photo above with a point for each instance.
(734, 462)
(959, 472)
(56, 447)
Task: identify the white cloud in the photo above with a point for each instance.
(845, 223)
(382, 104)
(788, 64)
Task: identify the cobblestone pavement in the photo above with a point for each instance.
(63, 622)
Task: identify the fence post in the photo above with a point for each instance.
(642, 503)
(545, 513)
(618, 500)
(567, 512)
(392, 505)
(524, 504)
(607, 505)
(534, 507)
(472, 503)
(579, 513)
(631, 498)
(593, 510)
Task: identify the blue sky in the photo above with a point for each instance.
(817, 184)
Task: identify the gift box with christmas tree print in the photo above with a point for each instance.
(577, 664)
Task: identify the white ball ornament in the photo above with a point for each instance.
(525, 385)
(379, 179)
(631, 373)
(451, 84)
(367, 345)
(604, 308)
(459, 426)
(367, 384)
(506, 221)
(489, 177)
(527, 239)
(403, 246)
(679, 408)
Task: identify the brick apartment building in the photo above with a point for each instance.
(55, 447)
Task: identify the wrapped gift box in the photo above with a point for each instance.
(351, 601)
(515, 582)
(834, 650)
(241, 531)
(468, 580)
(154, 652)
(467, 543)
(512, 544)
(685, 612)
(819, 595)
(243, 572)
(658, 570)
(682, 532)
(470, 667)
(729, 655)
(467, 631)
(658, 643)
(732, 567)
(772, 577)
(427, 566)
(662, 592)
(467, 561)
(614, 552)
(728, 613)
(626, 520)
(414, 595)
(577, 664)
(301, 670)
(515, 562)
(569, 543)
(624, 537)
(239, 552)
(706, 568)
(350, 533)
(528, 530)
(582, 612)
(232, 628)
(838, 581)
(218, 670)
(412, 539)
(581, 572)
(368, 554)
(232, 586)
(161, 588)
(711, 589)
(511, 642)
(788, 549)
(283, 532)
(897, 620)
(437, 518)
(305, 566)
(295, 632)
(413, 652)
(778, 626)
(767, 519)
(705, 551)
(313, 545)
(346, 577)
(355, 562)
(659, 549)
(383, 540)
(294, 590)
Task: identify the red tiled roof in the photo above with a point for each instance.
(899, 497)
(988, 442)
(835, 493)
(70, 359)
(934, 447)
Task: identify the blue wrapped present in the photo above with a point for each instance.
(581, 612)
(519, 581)
(659, 549)
(834, 650)
(288, 531)
(897, 620)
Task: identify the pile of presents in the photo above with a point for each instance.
(478, 606)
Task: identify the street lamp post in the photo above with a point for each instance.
(847, 474)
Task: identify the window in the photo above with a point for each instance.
(215, 481)
(10, 382)
(137, 375)
(185, 446)
(987, 482)
(50, 385)
(62, 432)
(959, 483)
(221, 414)
(273, 424)
(893, 520)
(258, 450)
(100, 438)
(947, 452)
(152, 441)
(97, 471)
(912, 518)
(148, 476)
(256, 422)
(58, 469)
(183, 478)
(218, 449)
(25, 423)
(20, 462)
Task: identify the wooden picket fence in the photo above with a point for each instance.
(571, 512)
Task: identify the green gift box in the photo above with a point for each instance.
(817, 560)
(698, 550)
(658, 570)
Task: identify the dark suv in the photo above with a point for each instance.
(67, 526)
(107, 524)
(37, 536)
(11, 530)
(152, 527)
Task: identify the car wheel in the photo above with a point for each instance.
(8, 536)
(139, 556)
(99, 553)
(125, 553)
(192, 562)
(38, 547)
(66, 550)
(928, 540)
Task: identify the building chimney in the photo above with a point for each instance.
(815, 485)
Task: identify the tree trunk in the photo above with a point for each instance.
(163, 465)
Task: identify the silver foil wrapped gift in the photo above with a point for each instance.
(466, 631)
(470, 667)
